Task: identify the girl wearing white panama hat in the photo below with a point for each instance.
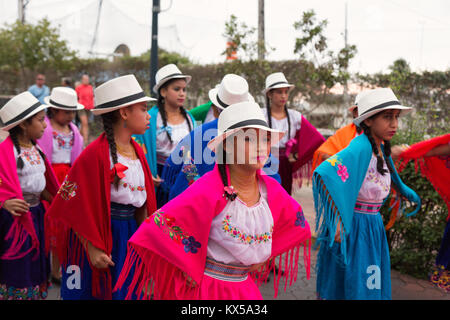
(349, 189)
(26, 178)
(61, 142)
(228, 228)
(106, 194)
(290, 121)
(169, 123)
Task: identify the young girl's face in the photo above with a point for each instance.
(34, 127)
(384, 124)
(175, 92)
(279, 96)
(136, 117)
(251, 148)
(63, 117)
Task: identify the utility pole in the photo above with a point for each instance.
(154, 50)
(346, 98)
(261, 43)
(21, 5)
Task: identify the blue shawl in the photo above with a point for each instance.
(148, 140)
(336, 185)
(188, 163)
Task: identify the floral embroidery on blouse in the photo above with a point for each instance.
(166, 223)
(242, 236)
(68, 189)
(64, 141)
(131, 187)
(31, 156)
(374, 176)
(341, 168)
(300, 221)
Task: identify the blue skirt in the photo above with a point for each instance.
(123, 226)
(367, 276)
(25, 278)
(162, 191)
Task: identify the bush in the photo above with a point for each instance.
(415, 241)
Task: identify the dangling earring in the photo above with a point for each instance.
(125, 123)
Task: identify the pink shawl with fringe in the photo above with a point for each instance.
(22, 226)
(174, 240)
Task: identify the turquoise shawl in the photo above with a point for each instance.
(148, 140)
(336, 185)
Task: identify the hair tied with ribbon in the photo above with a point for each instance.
(230, 193)
(118, 170)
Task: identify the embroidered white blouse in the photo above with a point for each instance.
(242, 234)
(375, 186)
(32, 175)
(131, 187)
(295, 118)
(62, 147)
(163, 146)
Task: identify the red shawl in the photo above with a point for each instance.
(306, 141)
(83, 206)
(436, 169)
(22, 226)
(175, 239)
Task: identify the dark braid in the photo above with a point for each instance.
(162, 112)
(269, 112)
(380, 167)
(38, 149)
(184, 113)
(269, 115)
(223, 172)
(387, 153)
(14, 133)
(289, 121)
(108, 121)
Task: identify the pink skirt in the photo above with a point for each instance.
(220, 282)
(215, 289)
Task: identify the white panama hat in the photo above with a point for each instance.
(240, 116)
(118, 93)
(166, 73)
(231, 90)
(276, 80)
(63, 98)
(19, 108)
(377, 100)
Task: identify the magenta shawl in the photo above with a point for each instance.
(22, 226)
(46, 141)
(174, 240)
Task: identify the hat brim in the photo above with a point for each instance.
(97, 112)
(12, 125)
(79, 106)
(403, 111)
(180, 76)
(278, 86)
(274, 139)
(212, 94)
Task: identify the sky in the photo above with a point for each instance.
(382, 30)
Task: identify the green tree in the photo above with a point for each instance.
(242, 40)
(29, 48)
